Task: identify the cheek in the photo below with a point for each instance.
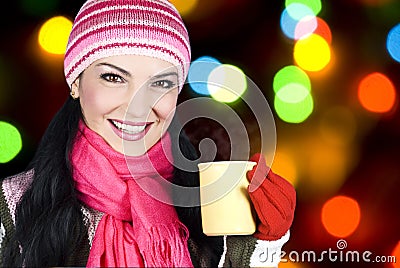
(165, 108)
(94, 103)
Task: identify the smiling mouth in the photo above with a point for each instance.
(129, 129)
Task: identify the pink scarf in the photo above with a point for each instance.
(136, 229)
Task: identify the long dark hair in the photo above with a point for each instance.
(49, 224)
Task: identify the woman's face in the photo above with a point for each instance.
(129, 100)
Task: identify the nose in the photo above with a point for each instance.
(140, 103)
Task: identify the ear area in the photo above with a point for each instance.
(75, 89)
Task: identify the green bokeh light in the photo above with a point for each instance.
(10, 142)
(296, 112)
(314, 5)
(293, 93)
(291, 74)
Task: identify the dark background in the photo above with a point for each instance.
(246, 33)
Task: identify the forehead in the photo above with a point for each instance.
(137, 63)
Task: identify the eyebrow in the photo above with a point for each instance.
(125, 72)
(165, 74)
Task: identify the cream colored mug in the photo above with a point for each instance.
(225, 204)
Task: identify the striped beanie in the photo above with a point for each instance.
(104, 28)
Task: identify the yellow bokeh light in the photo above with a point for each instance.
(54, 33)
(312, 53)
(227, 83)
(185, 7)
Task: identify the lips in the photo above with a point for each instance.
(130, 131)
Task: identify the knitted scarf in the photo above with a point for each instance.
(136, 229)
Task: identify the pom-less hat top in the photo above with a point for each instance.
(104, 28)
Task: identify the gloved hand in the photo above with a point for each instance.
(274, 200)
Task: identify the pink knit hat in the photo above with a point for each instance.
(104, 28)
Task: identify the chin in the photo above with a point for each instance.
(136, 148)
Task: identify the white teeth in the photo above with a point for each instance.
(129, 129)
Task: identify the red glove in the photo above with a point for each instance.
(274, 200)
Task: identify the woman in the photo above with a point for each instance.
(80, 203)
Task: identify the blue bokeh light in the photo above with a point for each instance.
(393, 42)
(292, 15)
(199, 71)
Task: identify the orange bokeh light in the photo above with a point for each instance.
(285, 166)
(341, 216)
(377, 93)
(323, 30)
(396, 253)
(185, 7)
(289, 264)
(313, 25)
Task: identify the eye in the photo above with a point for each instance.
(112, 78)
(163, 84)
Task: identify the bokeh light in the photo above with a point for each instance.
(292, 15)
(288, 25)
(377, 93)
(291, 74)
(312, 53)
(296, 112)
(10, 142)
(54, 33)
(299, 11)
(199, 71)
(292, 87)
(323, 30)
(393, 43)
(314, 5)
(285, 166)
(396, 253)
(288, 264)
(185, 7)
(305, 27)
(293, 93)
(341, 216)
(227, 83)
